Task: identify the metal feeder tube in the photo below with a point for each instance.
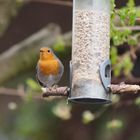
(90, 65)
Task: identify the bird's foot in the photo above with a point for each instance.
(55, 87)
(49, 89)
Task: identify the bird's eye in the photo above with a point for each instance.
(48, 51)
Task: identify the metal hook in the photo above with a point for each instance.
(105, 74)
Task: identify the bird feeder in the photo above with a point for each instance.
(90, 65)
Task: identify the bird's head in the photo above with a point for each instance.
(46, 53)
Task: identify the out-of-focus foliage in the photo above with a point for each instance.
(62, 110)
(115, 124)
(59, 45)
(120, 34)
(126, 16)
(35, 121)
(115, 99)
(87, 117)
(137, 101)
(32, 85)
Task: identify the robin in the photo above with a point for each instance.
(49, 68)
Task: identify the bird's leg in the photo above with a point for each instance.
(50, 89)
(55, 87)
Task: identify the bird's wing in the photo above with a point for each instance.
(37, 78)
(61, 71)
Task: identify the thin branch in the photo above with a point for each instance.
(12, 92)
(133, 28)
(125, 89)
(138, 19)
(60, 91)
(15, 92)
(56, 2)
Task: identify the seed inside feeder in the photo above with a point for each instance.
(91, 38)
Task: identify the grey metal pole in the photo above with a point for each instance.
(90, 64)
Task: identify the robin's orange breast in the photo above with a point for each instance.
(48, 67)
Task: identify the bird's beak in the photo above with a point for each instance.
(41, 50)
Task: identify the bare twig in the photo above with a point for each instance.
(133, 28)
(60, 91)
(15, 92)
(8, 91)
(56, 2)
(125, 89)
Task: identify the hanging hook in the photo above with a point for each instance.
(105, 74)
